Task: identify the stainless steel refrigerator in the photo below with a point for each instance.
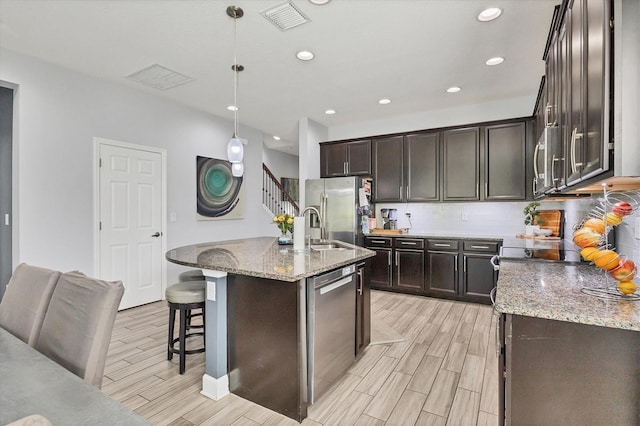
(343, 202)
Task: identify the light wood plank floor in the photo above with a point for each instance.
(444, 373)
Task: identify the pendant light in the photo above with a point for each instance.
(235, 147)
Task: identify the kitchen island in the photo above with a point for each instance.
(566, 357)
(262, 317)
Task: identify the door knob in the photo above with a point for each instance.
(157, 234)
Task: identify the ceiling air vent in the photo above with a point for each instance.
(159, 77)
(285, 16)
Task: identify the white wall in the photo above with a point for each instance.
(280, 163)
(475, 113)
(59, 112)
(310, 135)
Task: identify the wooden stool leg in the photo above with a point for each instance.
(183, 327)
(172, 320)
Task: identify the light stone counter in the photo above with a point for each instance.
(263, 257)
(552, 291)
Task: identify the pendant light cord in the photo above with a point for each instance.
(235, 77)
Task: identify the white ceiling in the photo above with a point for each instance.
(410, 51)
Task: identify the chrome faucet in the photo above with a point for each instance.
(323, 230)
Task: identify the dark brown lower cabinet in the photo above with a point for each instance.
(443, 273)
(451, 269)
(399, 263)
(381, 268)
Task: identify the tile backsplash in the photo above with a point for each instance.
(504, 219)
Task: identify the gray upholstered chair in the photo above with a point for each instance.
(26, 300)
(77, 327)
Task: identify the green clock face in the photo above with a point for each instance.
(217, 188)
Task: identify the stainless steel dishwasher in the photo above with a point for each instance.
(331, 328)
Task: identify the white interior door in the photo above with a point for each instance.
(131, 221)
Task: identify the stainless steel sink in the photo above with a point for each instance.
(328, 246)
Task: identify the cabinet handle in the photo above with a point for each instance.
(407, 192)
(547, 110)
(405, 243)
(344, 167)
(535, 162)
(360, 282)
(441, 245)
(480, 247)
(494, 262)
(464, 264)
(389, 258)
(455, 264)
(401, 192)
(377, 241)
(533, 187)
(348, 167)
(574, 137)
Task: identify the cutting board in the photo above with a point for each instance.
(552, 219)
(388, 231)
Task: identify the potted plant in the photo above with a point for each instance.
(532, 218)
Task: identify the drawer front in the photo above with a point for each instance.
(481, 246)
(375, 242)
(409, 243)
(443, 245)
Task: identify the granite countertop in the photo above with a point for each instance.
(552, 291)
(263, 257)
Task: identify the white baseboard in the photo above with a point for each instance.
(215, 388)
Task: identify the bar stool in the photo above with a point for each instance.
(191, 275)
(184, 297)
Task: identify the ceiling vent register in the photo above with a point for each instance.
(159, 77)
(285, 16)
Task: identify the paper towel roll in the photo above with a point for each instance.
(298, 233)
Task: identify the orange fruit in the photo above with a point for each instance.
(612, 219)
(586, 237)
(627, 287)
(606, 259)
(588, 253)
(595, 224)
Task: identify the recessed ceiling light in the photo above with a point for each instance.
(305, 55)
(232, 108)
(319, 2)
(276, 137)
(453, 89)
(384, 101)
(330, 112)
(495, 61)
(489, 14)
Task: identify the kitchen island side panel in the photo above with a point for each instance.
(265, 344)
(564, 373)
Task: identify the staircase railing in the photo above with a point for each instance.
(275, 197)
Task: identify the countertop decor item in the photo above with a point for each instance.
(531, 214)
(284, 222)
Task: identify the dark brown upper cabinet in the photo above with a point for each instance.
(578, 90)
(461, 164)
(406, 168)
(388, 169)
(422, 167)
(505, 165)
(345, 159)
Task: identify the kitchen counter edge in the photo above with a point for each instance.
(263, 257)
(553, 291)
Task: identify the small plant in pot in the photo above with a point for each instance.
(532, 218)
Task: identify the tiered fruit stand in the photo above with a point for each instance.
(591, 235)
